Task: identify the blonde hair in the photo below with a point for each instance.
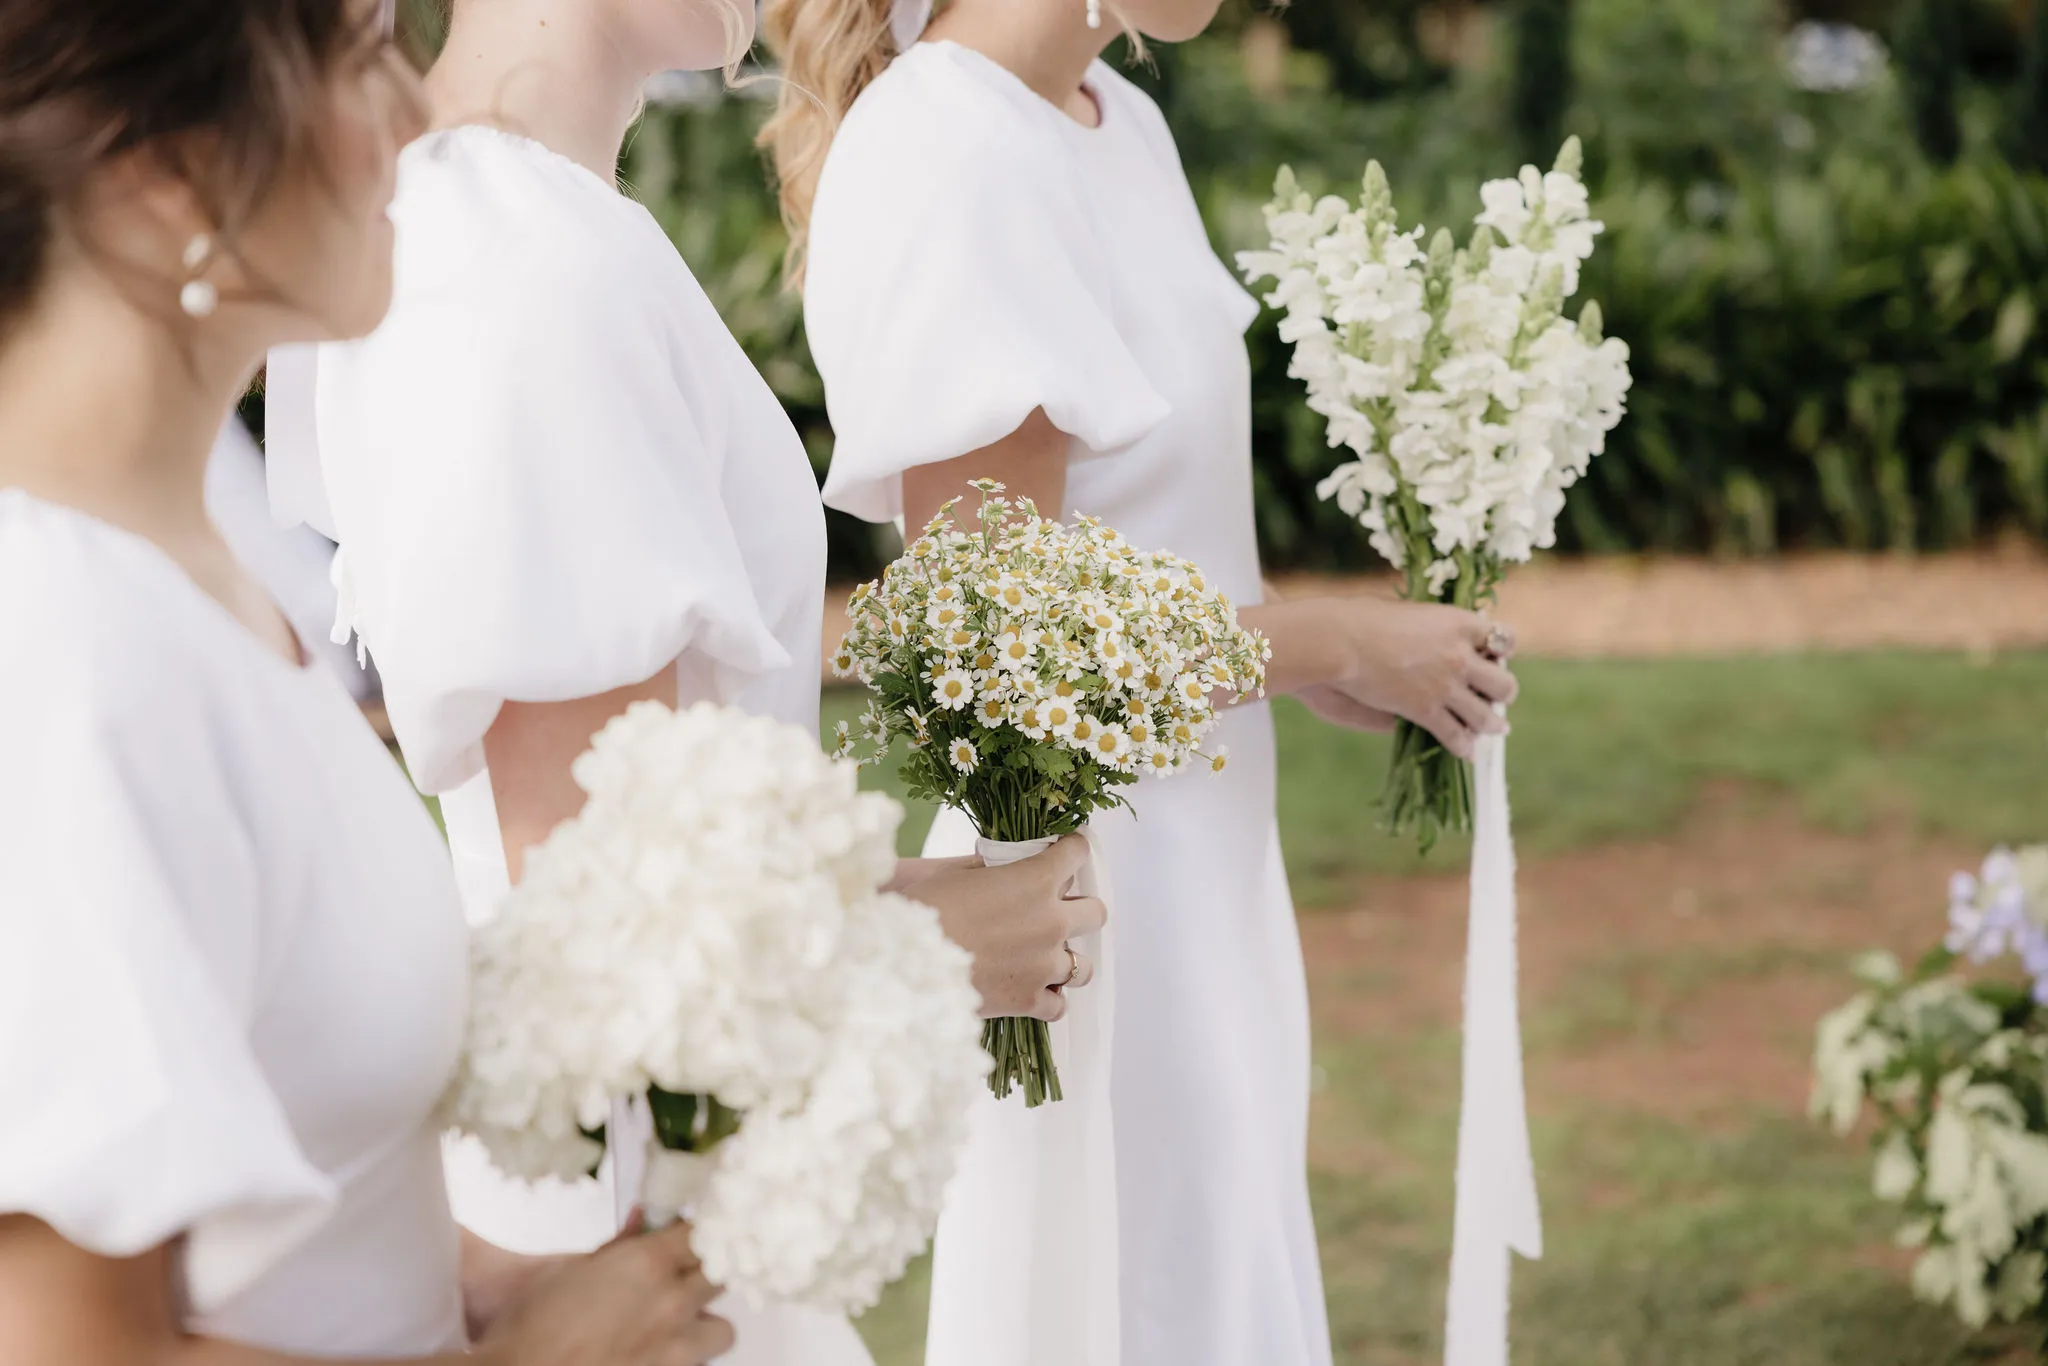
(830, 51)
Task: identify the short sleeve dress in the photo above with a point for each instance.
(976, 254)
(232, 960)
(552, 472)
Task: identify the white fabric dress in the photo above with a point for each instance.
(976, 254)
(232, 961)
(294, 564)
(552, 472)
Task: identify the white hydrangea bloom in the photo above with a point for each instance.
(710, 925)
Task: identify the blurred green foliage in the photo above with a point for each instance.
(1837, 342)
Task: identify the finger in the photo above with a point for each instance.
(635, 1225)
(695, 1294)
(1051, 1006)
(1501, 641)
(1454, 735)
(1084, 971)
(672, 1244)
(1085, 915)
(1065, 860)
(1476, 713)
(1492, 682)
(708, 1339)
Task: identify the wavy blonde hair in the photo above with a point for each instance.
(830, 51)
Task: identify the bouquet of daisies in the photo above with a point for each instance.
(708, 934)
(1036, 669)
(1956, 1071)
(1468, 400)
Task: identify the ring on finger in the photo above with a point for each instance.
(1073, 967)
(1499, 640)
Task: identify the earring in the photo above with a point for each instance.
(1095, 13)
(199, 297)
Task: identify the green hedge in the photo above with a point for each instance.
(1836, 343)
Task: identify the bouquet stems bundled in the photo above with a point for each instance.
(1036, 670)
(1467, 398)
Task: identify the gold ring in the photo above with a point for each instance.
(1073, 967)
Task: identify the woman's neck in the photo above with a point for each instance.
(551, 70)
(103, 410)
(1047, 46)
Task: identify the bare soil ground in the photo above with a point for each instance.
(1628, 607)
(1679, 978)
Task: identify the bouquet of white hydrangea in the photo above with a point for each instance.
(1035, 669)
(708, 934)
(1956, 1072)
(1469, 402)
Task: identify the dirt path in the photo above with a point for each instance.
(1626, 607)
(1677, 977)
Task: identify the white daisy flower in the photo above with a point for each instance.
(1110, 744)
(993, 709)
(953, 689)
(1030, 717)
(1219, 760)
(964, 756)
(1017, 649)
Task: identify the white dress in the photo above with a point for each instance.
(294, 564)
(976, 254)
(552, 472)
(232, 962)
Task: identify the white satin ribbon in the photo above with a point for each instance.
(1025, 1271)
(1496, 1194)
(908, 21)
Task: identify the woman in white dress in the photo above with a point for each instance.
(232, 960)
(560, 486)
(1005, 275)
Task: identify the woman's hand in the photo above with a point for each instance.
(1017, 921)
(1434, 666)
(640, 1300)
(1443, 668)
(495, 1279)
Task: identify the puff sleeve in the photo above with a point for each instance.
(133, 1108)
(527, 500)
(954, 285)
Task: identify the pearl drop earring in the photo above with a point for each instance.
(1095, 13)
(199, 297)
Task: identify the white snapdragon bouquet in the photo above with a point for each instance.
(707, 937)
(1956, 1071)
(1035, 670)
(1468, 401)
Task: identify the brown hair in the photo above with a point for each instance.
(227, 90)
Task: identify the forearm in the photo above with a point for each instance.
(530, 748)
(1311, 647)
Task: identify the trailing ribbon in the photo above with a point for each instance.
(1496, 1194)
(1025, 1269)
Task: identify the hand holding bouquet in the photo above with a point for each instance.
(708, 934)
(1469, 401)
(1037, 669)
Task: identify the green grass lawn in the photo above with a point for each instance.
(1670, 1244)
(1608, 751)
